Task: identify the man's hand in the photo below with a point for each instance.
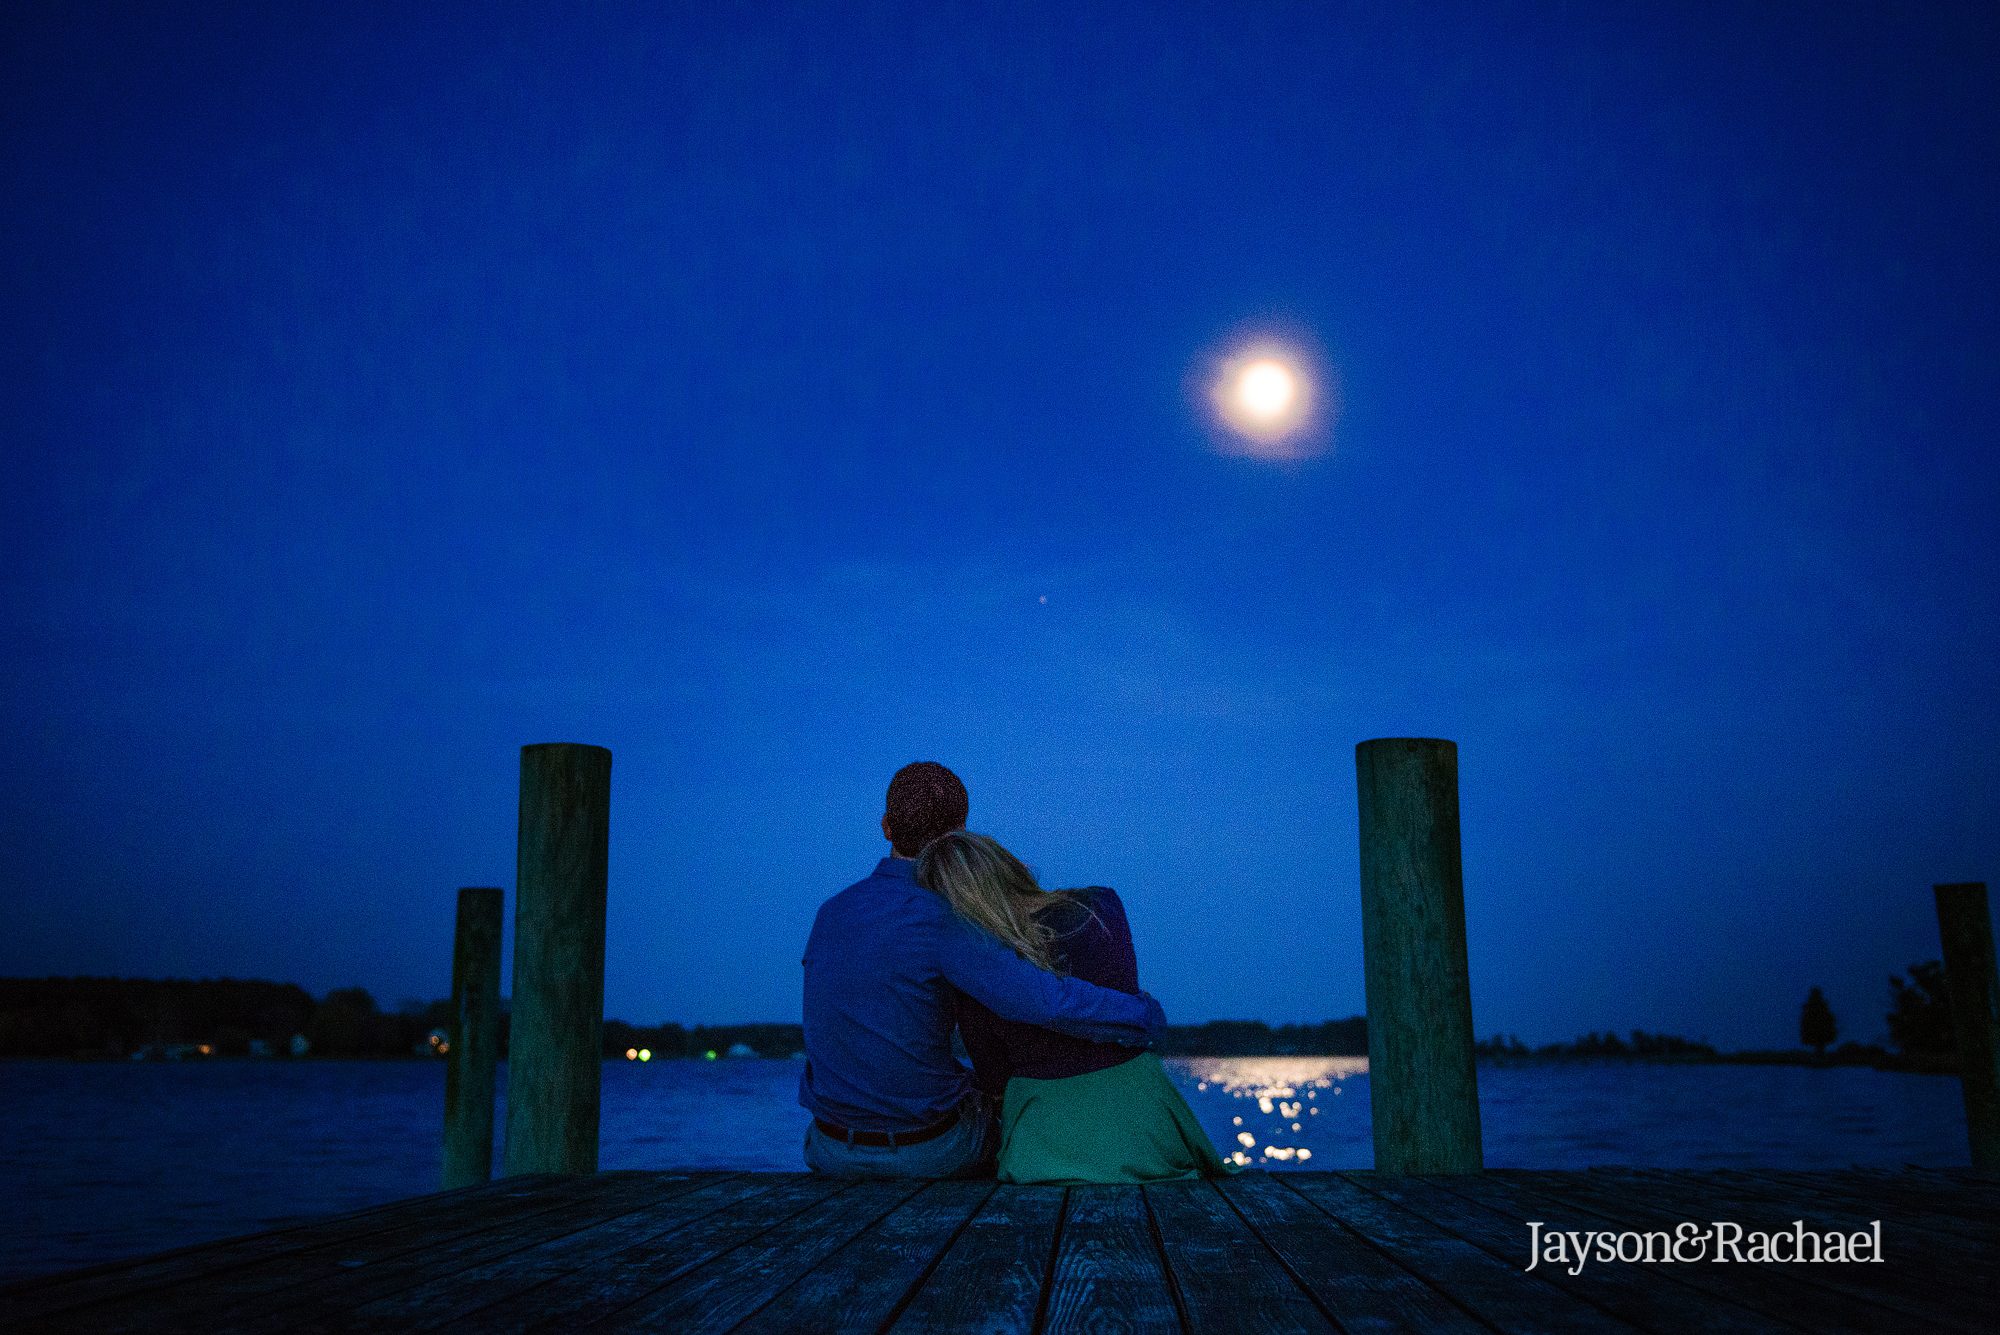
(1156, 1019)
(1156, 1025)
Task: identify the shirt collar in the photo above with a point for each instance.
(902, 869)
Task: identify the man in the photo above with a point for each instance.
(887, 1096)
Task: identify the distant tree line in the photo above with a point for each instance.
(115, 1017)
(111, 1017)
(1919, 1022)
(1638, 1043)
(1254, 1038)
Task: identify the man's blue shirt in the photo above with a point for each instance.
(880, 964)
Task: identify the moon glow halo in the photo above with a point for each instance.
(1264, 399)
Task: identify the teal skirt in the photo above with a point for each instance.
(1124, 1124)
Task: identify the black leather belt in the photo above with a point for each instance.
(889, 1138)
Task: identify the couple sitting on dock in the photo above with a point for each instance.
(951, 930)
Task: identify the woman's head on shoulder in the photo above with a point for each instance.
(991, 888)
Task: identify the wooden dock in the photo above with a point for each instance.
(1261, 1252)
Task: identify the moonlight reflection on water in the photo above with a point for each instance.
(1284, 1093)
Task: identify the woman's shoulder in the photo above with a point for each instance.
(1086, 906)
(1099, 897)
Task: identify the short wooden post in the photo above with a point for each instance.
(1422, 1086)
(555, 1047)
(1965, 928)
(474, 1045)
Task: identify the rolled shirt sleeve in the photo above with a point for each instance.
(989, 972)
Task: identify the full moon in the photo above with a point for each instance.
(1268, 401)
(1265, 389)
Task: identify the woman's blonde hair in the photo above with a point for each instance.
(993, 890)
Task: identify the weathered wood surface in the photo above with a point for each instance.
(1423, 1088)
(1284, 1253)
(1965, 932)
(471, 1070)
(555, 1044)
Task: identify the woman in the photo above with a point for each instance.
(1072, 1110)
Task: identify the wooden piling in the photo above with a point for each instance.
(1965, 928)
(556, 1040)
(1423, 1090)
(474, 1046)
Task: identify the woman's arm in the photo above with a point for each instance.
(984, 1043)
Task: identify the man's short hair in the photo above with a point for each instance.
(925, 801)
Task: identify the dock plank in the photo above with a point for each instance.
(42, 1295)
(1363, 1290)
(1108, 1278)
(1935, 1242)
(1922, 1273)
(717, 1297)
(1973, 1190)
(1228, 1280)
(990, 1280)
(624, 1275)
(861, 1287)
(1650, 1297)
(1499, 1293)
(294, 1292)
(1971, 1204)
(1922, 1213)
(1806, 1293)
(763, 1252)
(460, 1292)
(1541, 1196)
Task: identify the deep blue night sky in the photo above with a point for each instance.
(384, 390)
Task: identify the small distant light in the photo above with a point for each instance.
(1246, 1140)
(710, 1054)
(1305, 1154)
(204, 1049)
(1236, 1121)
(631, 1054)
(443, 1048)
(645, 1054)
(1295, 1126)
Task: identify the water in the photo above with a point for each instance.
(99, 1161)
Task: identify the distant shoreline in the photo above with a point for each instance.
(224, 1019)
